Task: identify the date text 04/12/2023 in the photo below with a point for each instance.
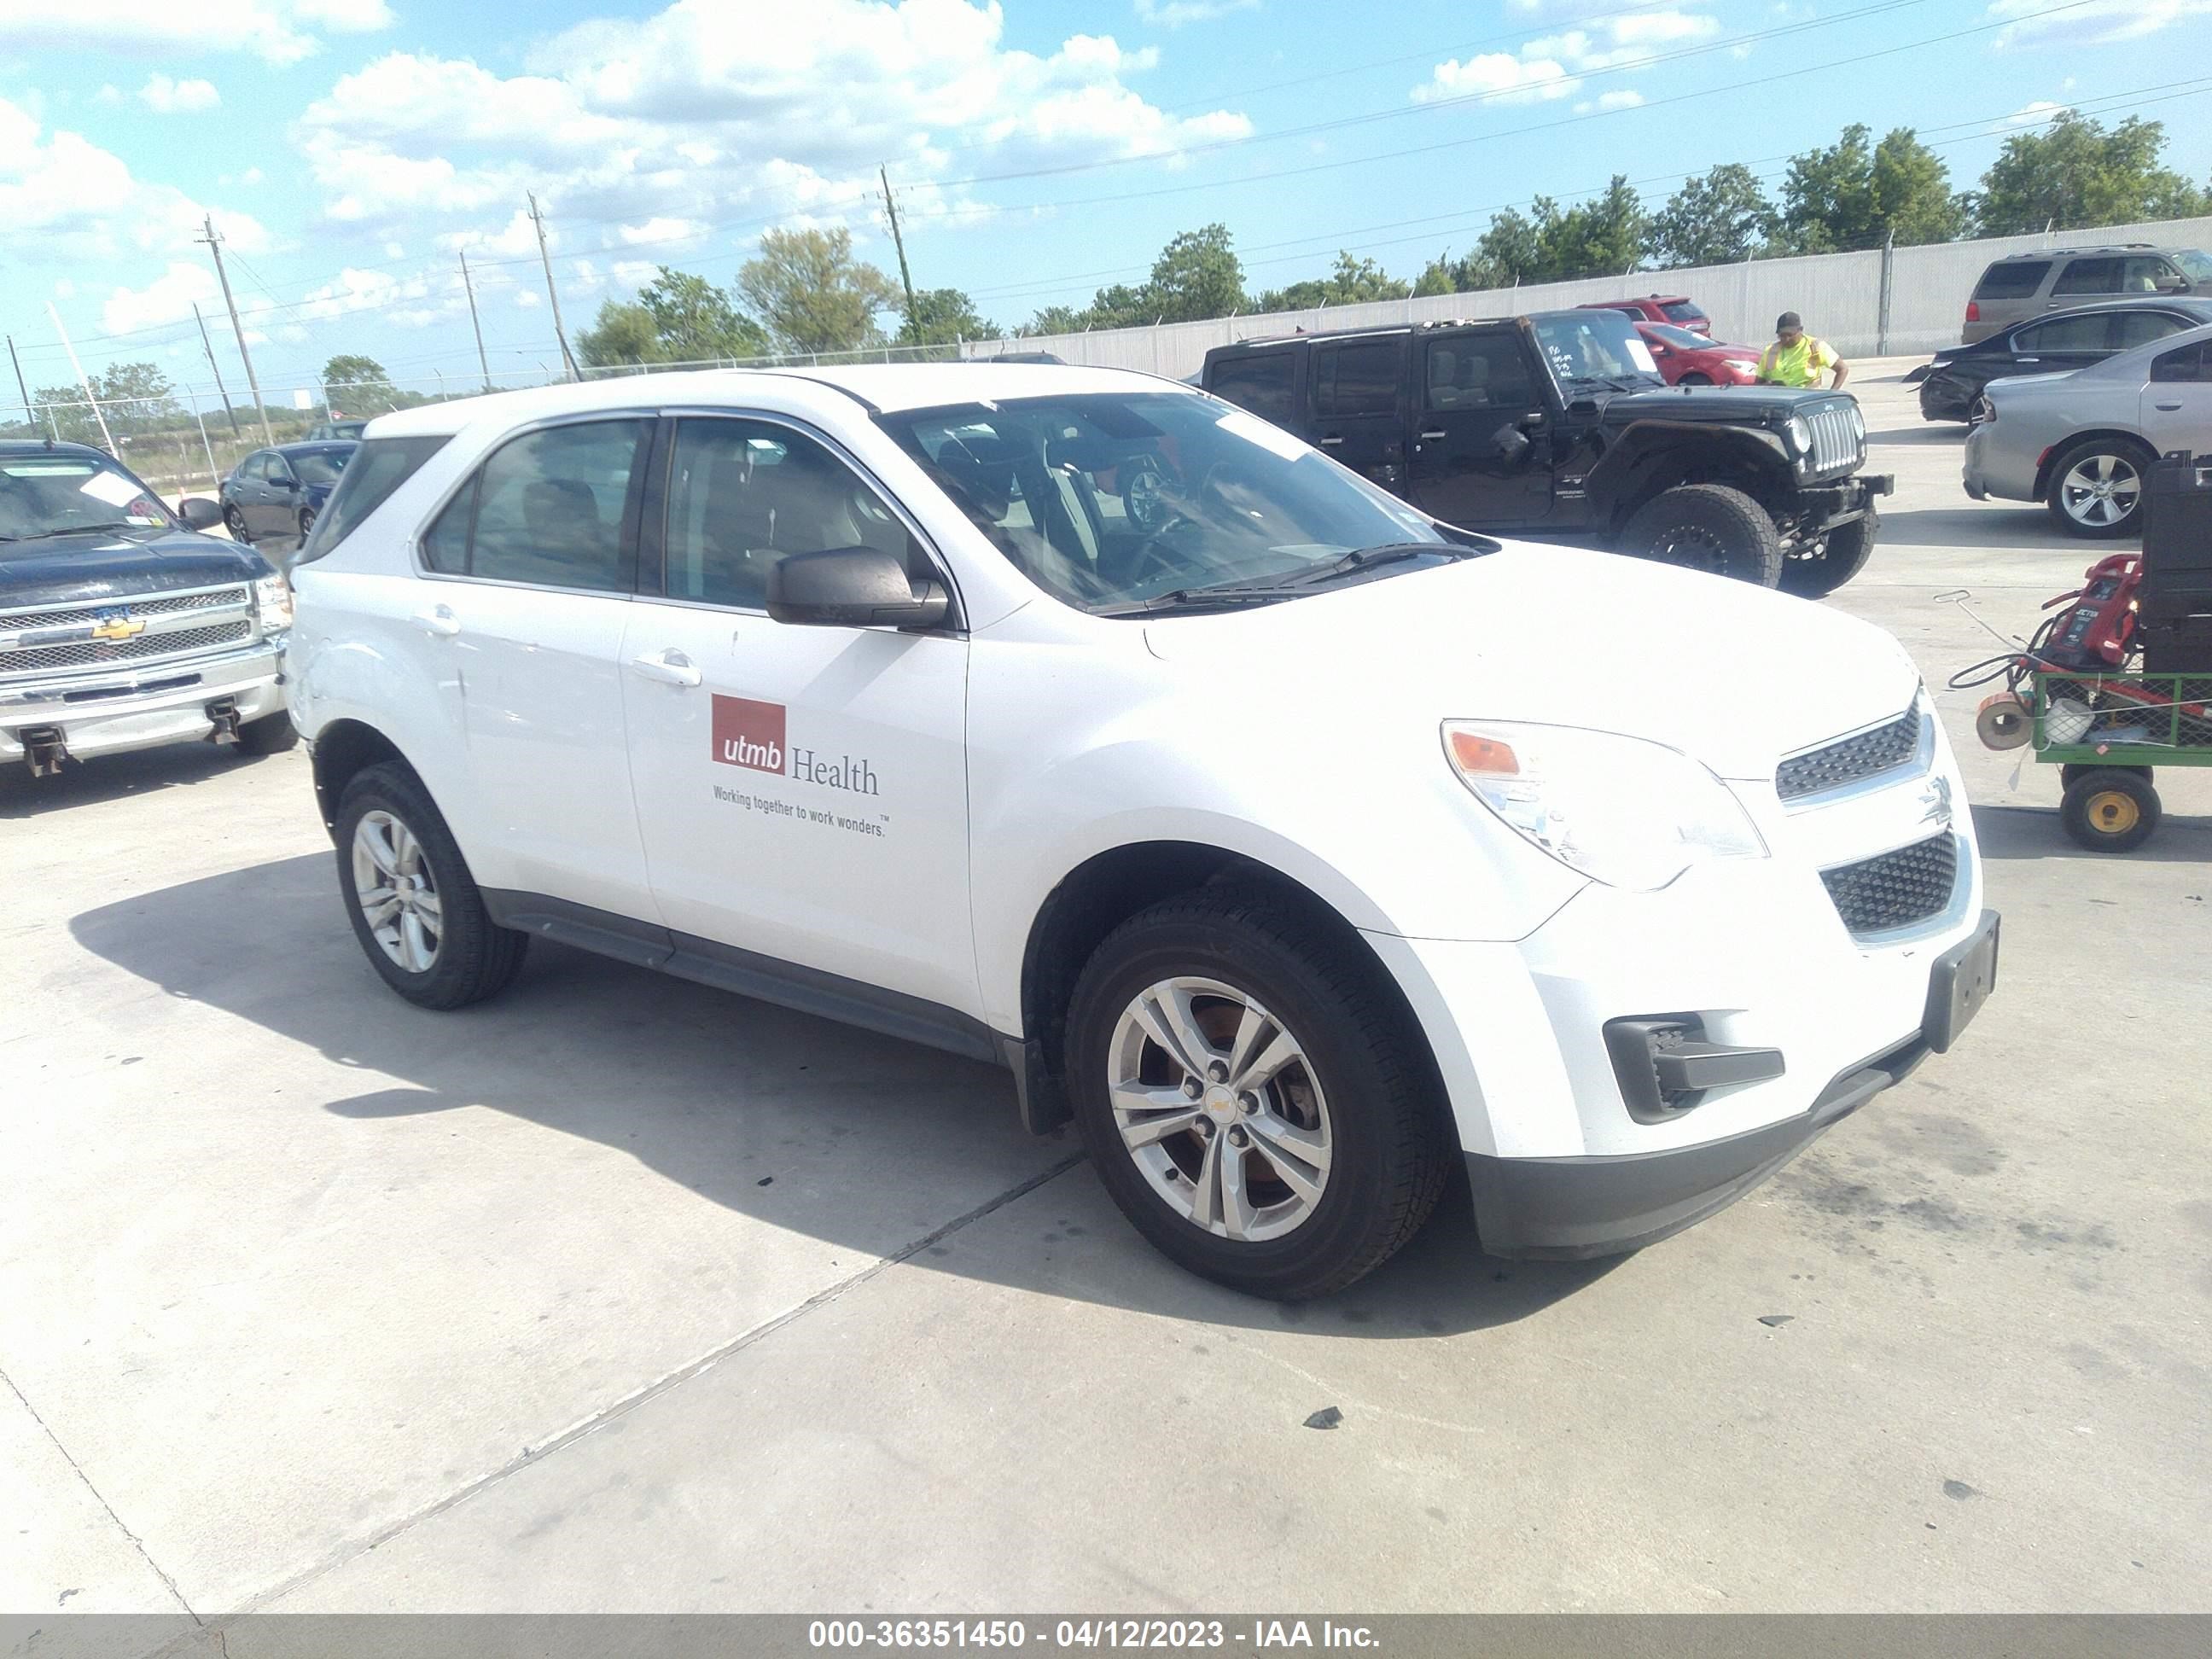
(1086, 1633)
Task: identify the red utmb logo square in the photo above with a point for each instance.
(748, 733)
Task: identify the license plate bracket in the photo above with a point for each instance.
(1960, 983)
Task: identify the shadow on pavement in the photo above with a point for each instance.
(2011, 525)
(113, 777)
(1932, 434)
(716, 1091)
(2015, 833)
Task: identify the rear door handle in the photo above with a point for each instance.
(1331, 441)
(2028, 360)
(1436, 436)
(2166, 407)
(669, 667)
(439, 620)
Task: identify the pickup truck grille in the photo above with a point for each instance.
(1836, 446)
(1847, 760)
(1895, 889)
(73, 638)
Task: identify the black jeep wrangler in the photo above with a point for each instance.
(1558, 425)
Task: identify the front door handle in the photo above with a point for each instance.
(1436, 436)
(2028, 360)
(439, 620)
(670, 667)
(1331, 441)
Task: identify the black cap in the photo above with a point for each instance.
(1787, 319)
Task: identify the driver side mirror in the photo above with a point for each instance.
(853, 587)
(199, 513)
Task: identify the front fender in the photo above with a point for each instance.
(1655, 455)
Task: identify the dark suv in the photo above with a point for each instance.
(1557, 425)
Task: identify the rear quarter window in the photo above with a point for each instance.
(379, 467)
(2012, 282)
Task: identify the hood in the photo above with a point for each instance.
(62, 569)
(1734, 406)
(1735, 676)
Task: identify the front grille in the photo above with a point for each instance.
(98, 653)
(213, 598)
(1847, 760)
(1898, 888)
(1835, 438)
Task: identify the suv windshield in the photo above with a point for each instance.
(1108, 500)
(63, 494)
(1596, 349)
(2195, 266)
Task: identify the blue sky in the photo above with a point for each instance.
(348, 150)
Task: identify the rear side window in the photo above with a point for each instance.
(547, 508)
(1684, 311)
(2089, 277)
(1261, 383)
(2186, 364)
(2090, 333)
(1359, 378)
(2135, 328)
(378, 467)
(2012, 282)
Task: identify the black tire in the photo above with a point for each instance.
(1385, 1116)
(235, 522)
(2125, 458)
(1842, 555)
(272, 734)
(1706, 527)
(474, 958)
(306, 523)
(1693, 379)
(2110, 809)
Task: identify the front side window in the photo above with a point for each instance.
(45, 495)
(1481, 371)
(1109, 499)
(743, 493)
(374, 470)
(255, 467)
(1357, 378)
(1261, 383)
(2012, 280)
(547, 508)
(2147, 276)
(2089, 277)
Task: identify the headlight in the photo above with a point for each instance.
(1622, 811)
(273, 597)
(1800, 435)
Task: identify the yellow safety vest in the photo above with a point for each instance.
(1797, 365)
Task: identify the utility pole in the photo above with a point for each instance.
(471, 288)
(546, 260)
(30, 415)
(106, 439)
(220, 389)
(254, 385)
(890, 207)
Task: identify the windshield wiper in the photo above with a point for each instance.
(77, 530)
(1199, 598)
(1366, 558)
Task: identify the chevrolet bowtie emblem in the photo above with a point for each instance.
(1935, 802)
(116, 624)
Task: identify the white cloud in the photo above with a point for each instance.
(2033, 114)
(1620, 98)
(2098, 24)
(661, 230)
(169, 298)
(1174, 14)
(712, 111)
(80, 202)
(167, 97)
(524, 298)
(1552, 65)
(409, 301)
(275, 31)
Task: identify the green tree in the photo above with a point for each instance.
(134, 397)
(1855, 193)
(1508, 252)
(623, 333)
(943, 316)
(1350, 283)
(693, 320)
(358, 387)
(1913, 198)
(1056, 319)
(2075, 172)
(812, 294)
(1713, 220)
(1600, 238)
(1439, 276)
(1197, 276)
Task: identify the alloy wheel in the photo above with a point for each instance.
(398, 895)
(2100, 490)
(1218, 1106)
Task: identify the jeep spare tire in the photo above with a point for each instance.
(1707, 527)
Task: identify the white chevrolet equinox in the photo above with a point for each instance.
(1303, 850)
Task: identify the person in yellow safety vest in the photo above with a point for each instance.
(1796, 358)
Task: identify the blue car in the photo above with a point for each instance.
(275, 494)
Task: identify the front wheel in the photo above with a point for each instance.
(1251, 1098)
(306, 523)
(1708, 527)
(2096, 488)
(415, 909)
(235, 522)
(1843, 553)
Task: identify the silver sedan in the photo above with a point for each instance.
(2081, 443)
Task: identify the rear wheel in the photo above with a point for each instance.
(272, 734)
(1250, 1097)
(1708, 527)
(306, 523)
(2096, 486)
(414, 907)
(2109, 809)
(1843, 553)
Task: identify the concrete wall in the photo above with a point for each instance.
(1839, 295)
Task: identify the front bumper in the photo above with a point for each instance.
(112, 713)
